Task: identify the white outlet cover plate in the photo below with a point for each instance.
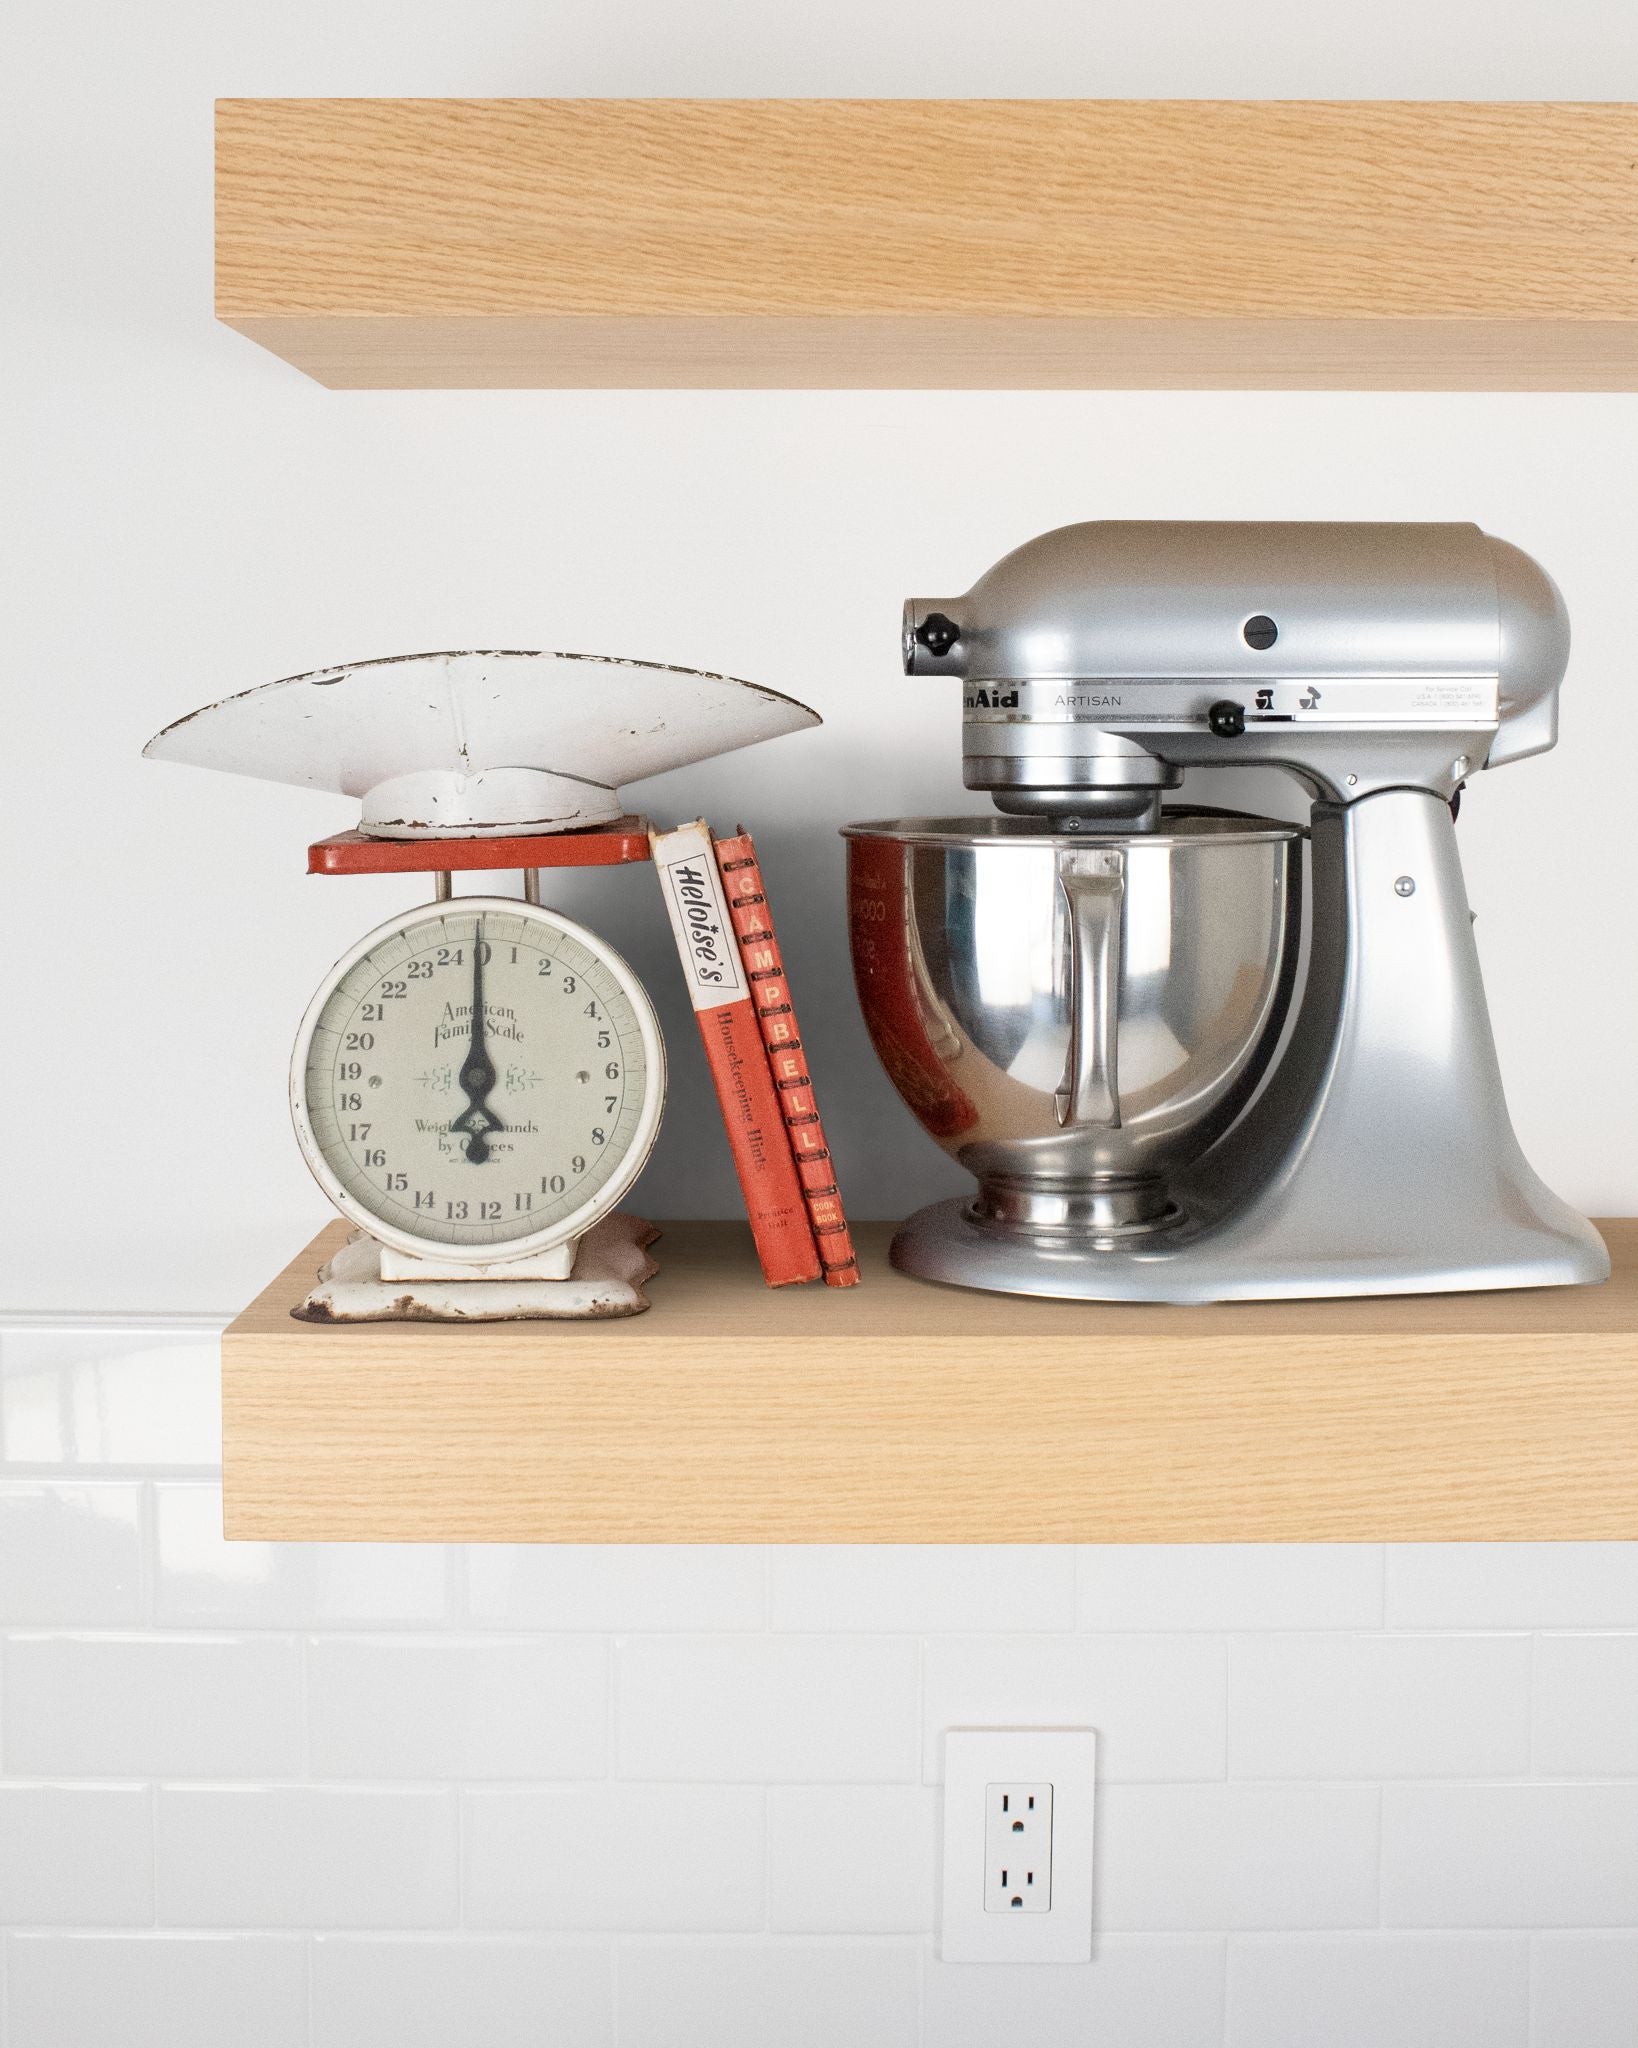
(975, 1759)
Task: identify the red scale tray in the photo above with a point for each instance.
(605, 846)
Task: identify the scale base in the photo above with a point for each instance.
(610, 1267)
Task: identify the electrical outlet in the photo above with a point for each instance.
(1018, 1806)
(1018, 1848)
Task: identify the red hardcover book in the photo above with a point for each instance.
(721, 996)
(771, 994)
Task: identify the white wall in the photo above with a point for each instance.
(187, 516)
(278, 1796)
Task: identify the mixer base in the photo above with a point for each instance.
(1197, 1263)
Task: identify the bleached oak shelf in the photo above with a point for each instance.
(1322, 244)
(898, 1412)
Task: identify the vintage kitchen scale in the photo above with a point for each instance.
(478, 1081)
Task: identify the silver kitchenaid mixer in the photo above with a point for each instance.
(1170, 1084)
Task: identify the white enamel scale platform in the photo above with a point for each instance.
(478, 1082)
(474, 744)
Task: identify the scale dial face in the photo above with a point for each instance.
(480, 1079)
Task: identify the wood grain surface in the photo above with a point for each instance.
(899, 1412)
(933, 242)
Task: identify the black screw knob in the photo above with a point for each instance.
(938, 634)
(1227, 719)
(1260, 632)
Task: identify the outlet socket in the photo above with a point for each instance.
(1017, 1858)
(1018, 1848)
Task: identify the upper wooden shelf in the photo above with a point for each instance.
(1161, 243)
(898, 1412)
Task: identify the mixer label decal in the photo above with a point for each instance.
(1175, 700)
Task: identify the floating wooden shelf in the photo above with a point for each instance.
(1160, 243)
(897, 1412)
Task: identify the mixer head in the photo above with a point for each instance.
(1101, 660)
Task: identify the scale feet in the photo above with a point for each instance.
(610, 1268)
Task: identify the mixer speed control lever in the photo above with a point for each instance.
(1227, 719)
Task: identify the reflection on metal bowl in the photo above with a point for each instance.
(1075, 1017)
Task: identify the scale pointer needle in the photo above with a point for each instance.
(477, 1077)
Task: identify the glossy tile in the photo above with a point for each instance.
(131, 1706)
(1378, 1991)
(1524, 1856)
(1586, 1706)
(305, 1856)
(382, 1585)
(76, 1855)
(71, 1553)
(711, 1995)
(1216, 1858)
(851, 1859)
(156, 1990)
(644, 1857)
(1138, 1992)
(798, 1709)
(1345, 1706)
(382, 1707)
(464, 1991)
(203, 1581)
(1512, 1585)
(1159, 1703)
(912, 1587)
(110, 1397)
(619, 1587)
(1229, 1587)
(1584, 1991)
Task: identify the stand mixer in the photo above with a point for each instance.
(1170, 1084)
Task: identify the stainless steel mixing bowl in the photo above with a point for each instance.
(1075, 1017)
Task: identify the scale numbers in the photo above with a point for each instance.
(482, 1078)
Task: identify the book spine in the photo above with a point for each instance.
(726, 1015)
(764, 966)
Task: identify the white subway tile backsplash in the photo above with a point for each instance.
(1137, 1992)
(1305, 1831)
(851, 1859)
(911, 1587)
(1512, 1585)
(461, 1992)
(379, 1707)
(1379, 1706)
(203, 1581)
(1210, 1858)
(1159, 1703)
(583, 1857)
(802, 1709)
(1525, 1856)
(305, 1856)
(1586, 1706)
(71, 1553)
(617, 1587)
(1229, 1587)
(713, 1995)
(110, 1397)
(1584, 1991)
(76, 1855)
(1378, 1991)
(156, 1990)
(382, 1585)
(134, 1706)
